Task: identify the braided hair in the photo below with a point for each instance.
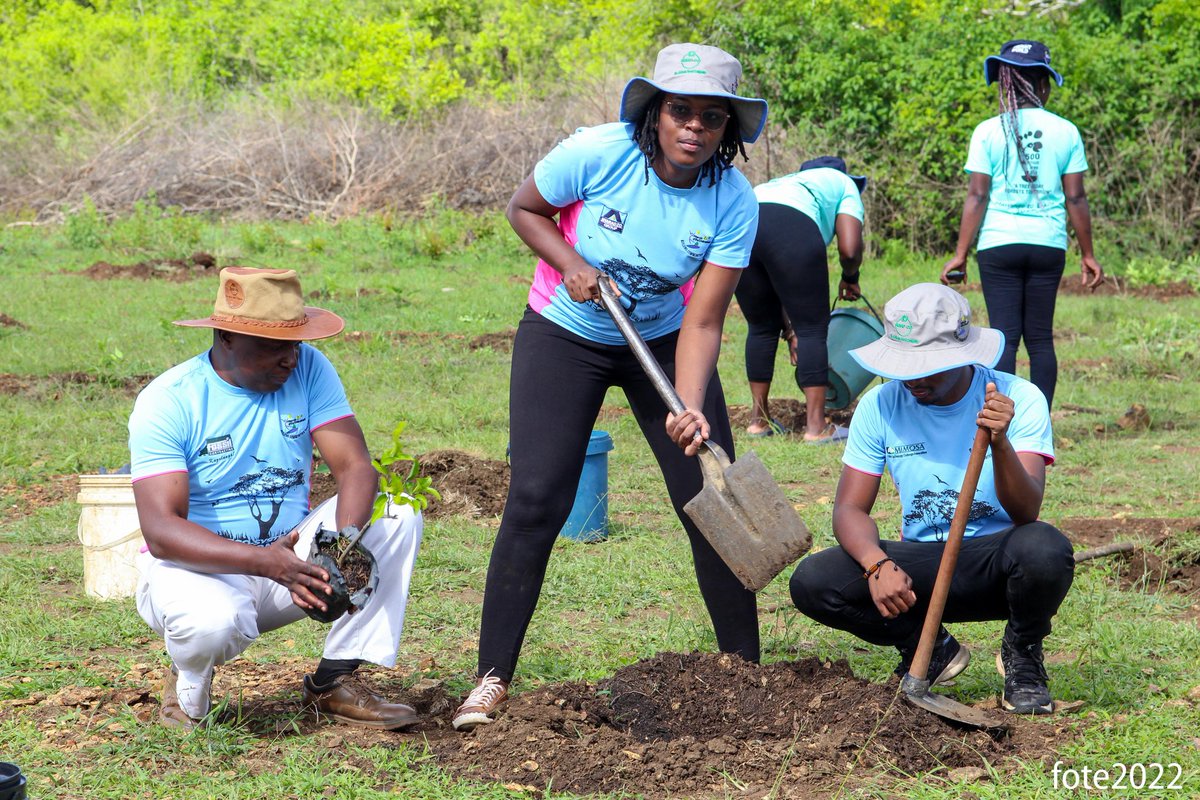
(645, 133)
(1018, 89)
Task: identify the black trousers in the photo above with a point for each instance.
(558, 385)
(1020, 288)
(789, 270)
(1020, 575)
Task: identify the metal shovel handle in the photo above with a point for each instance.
(651, 366)
(941, 586)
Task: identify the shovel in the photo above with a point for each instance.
(915, 684)
(741, 510)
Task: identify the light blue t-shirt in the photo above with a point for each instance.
(247, 454)
(926, 449)
(1019, 212)
(821, 194)
(651, 238)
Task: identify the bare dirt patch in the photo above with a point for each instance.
(1157, 562)
(470, 486)
(21, 501)
(791, 413)
(501, 341)
(52, 386)
(676, 725)
(8, 322)
(171, 269)
(1116, 285)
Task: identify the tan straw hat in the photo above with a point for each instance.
(927, 329)
(266, 303)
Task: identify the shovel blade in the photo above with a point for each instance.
(750, 523)
(955, 711)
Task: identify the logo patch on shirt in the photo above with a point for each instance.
(696, 245)
(217, 448)
(904, 450)
(612, 220)
(293, 426)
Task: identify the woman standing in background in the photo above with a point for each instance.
(1026, 167)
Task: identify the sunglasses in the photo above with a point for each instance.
(711, 118)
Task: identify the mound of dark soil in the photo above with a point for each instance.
(8, 322)
(470, 486)
(171, 269)
(700, 725)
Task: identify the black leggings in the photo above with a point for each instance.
(1020, 287)
(788, 269)
(558, 385)
(1020, 575)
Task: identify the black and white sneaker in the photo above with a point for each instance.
(1025, 681)
(948, 660)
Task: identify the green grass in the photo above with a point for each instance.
(420, 293)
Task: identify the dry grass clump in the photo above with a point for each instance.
(311, 159)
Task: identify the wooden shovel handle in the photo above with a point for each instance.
(941, 586)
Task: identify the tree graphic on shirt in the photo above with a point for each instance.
(936, 510)
(267, 488)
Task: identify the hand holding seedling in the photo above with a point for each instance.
(307, 583)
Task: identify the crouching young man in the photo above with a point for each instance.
(920, 427)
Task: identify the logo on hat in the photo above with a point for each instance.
(1022, 48)
(690, 60)
(234, 295)
(964, 327)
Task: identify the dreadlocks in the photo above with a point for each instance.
(645, 133)
(1017, 89)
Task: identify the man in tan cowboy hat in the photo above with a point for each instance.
(222, 448)
(920, 427)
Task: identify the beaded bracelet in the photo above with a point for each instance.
(874, 568)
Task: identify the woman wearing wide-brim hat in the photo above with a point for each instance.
(654, 203)
(1026, 166)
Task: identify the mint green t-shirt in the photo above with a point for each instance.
(1020, 212)
(820, 193)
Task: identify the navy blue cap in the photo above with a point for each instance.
(834, 162)
(1019, 53)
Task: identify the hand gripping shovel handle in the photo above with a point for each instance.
(941, 586)
(655, 372)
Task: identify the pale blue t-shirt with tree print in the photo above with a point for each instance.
(926, 449)
(248, 455)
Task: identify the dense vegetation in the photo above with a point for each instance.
(895, 85)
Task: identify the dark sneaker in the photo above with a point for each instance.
(170, 712)
(948, 660)
(1025, 689)
(348, 699)
(483, 701)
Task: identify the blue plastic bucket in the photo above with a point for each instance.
(588, 521)
(849, 328)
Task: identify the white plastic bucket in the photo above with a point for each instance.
(110, 534)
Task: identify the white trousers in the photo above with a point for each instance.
(208, 619)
